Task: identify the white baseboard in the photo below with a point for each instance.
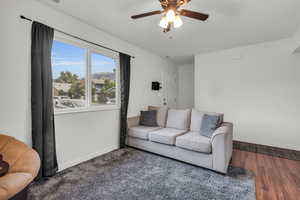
(77, 161)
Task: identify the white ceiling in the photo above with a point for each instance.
(231, 23)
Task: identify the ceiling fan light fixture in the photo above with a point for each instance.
(163, 22)
(170, 15)
(177, 22)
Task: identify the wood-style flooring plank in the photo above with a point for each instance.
(276, 178)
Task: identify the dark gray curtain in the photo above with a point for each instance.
(125, 88)
(43, 132)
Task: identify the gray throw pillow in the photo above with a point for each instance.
(209, 124)
(162, 113)
(148, 118)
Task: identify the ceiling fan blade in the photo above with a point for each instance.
(157, 12)
(195, 15)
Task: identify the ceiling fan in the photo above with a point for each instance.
(171, 14)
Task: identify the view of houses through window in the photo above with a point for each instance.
(82, 77)
(103, 83)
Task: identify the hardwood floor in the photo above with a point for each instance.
(276, 178)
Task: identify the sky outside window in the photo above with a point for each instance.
(70, 58)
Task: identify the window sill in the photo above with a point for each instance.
(84, 110)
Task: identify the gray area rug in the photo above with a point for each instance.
(130, 174)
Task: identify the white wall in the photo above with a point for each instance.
(144, 72)
(79, 136)
(186, 86)
(258, 89)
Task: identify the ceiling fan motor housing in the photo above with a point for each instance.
(172, 4)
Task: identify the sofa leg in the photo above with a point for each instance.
(21, 195)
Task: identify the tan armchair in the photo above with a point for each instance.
(24, 165)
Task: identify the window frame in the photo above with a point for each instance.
(89, 49)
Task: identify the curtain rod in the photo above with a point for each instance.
(23, 17)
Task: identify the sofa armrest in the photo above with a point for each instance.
(133, 121)
(222, 147)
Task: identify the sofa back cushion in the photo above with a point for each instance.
(179, 119)
(148, 118)
(162, 113)
(197, 118)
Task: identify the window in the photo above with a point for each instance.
(103, 72)
(84, 76)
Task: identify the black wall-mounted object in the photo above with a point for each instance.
(156, 86)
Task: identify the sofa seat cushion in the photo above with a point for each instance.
(141, 132)
(166, 135)
(195, 142)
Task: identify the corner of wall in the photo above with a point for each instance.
(296, 39)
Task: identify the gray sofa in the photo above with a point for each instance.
(178, 137)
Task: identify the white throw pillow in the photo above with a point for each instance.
(197, 116)
(179, 119)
